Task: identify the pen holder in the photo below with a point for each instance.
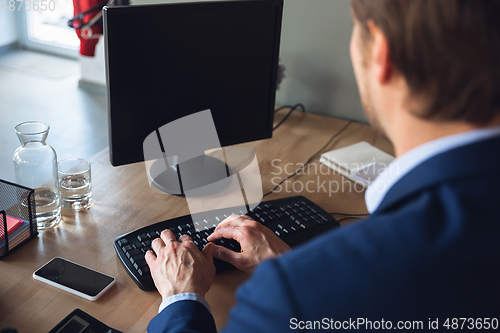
(18, 203)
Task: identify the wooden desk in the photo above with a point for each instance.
(124, 202)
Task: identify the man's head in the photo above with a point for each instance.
(440, 58)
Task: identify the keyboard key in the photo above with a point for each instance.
(309, 225)
(320, 220)
(142, 238)
(277, 233)
(127, 248)
(141, 263)
(134, 259)
(236, 245)
(122, 242)
(133, 253)
(323, 217)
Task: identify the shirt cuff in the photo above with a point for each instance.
(184, 297)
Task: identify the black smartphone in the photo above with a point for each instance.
(74, 278)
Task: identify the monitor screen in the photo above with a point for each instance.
(168, 61)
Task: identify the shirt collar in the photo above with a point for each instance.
(405, 163)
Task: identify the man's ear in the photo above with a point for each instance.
(381, 58)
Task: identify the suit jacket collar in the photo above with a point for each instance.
(464, 161)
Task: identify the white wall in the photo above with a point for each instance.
(93, 69)
(8, 34)
(315, 51)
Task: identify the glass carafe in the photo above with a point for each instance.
(35, 164)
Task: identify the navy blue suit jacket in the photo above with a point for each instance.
(431, 250)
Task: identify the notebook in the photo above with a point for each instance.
(18, 231)
(12, 223)
(361, 162)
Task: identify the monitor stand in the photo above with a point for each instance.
(196, 173)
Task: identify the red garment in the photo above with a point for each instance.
(87, 45)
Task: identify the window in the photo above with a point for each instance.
(44, 26)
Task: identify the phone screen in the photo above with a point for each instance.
(74, 276)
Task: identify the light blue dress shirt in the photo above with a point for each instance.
(384, 182)
(408, 161)
(183, 297)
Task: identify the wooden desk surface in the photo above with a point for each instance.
(124, 202)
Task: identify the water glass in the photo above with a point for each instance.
(75, 183)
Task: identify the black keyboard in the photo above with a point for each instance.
(295, 220)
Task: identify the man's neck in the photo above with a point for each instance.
(412, 132)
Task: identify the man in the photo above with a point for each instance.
(428, 73)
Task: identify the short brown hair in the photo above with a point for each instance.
(447, 50)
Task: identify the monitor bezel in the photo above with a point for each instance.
(110, 12)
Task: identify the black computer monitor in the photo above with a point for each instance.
(168, 61)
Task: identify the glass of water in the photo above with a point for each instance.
(75, 183)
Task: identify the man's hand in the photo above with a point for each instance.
(257, 242)
(179, 267)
